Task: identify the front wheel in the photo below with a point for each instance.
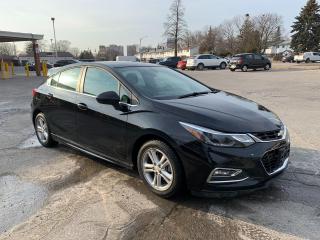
(267, 67)
(43, 131)
(160, 169)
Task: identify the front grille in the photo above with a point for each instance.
(274, 159)
(269, 136)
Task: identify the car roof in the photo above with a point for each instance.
(115, 64)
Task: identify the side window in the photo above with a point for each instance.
(69, 79)
(98, 81)
(202, 57)
(257, 57)
(54, 80)
(249, 57)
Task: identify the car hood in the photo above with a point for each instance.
(223, 111)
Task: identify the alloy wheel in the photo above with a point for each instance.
(42, 129)
(157, 169)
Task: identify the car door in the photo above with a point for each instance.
(101, 128)
(203, 59)
(215, 61)
(258, 61)
(60, 105)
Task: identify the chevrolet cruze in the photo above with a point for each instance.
(178, 132)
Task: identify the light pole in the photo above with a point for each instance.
(55, 39)
(141, 46)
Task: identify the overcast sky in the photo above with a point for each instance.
(89, 23)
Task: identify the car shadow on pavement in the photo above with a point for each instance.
(282, 209)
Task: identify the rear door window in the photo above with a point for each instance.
(68, 79)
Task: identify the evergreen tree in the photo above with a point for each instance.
(277, 38)
(249, 37)
(306, 28)
(209, 42)
(86, 54)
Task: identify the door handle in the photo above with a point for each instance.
(82, 106)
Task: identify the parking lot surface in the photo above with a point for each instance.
(60, 193)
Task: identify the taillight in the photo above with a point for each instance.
(34, 92)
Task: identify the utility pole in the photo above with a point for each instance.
(55, 39)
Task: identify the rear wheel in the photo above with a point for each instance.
(223, 65)
(307, 60)
(160, 168)
(244, 68)
(232, 69)
(200, 66)
(43, 131)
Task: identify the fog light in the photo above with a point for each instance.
(226, 172)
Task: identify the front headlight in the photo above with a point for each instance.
(218, 139)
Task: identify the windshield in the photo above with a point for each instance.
(161, 82)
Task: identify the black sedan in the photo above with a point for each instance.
(175, 130)
(170, 62)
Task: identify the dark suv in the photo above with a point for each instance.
(247, 61)
(171, 62)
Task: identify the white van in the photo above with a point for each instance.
(127, 58)
(307, 57)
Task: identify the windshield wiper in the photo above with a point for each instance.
(193, 94)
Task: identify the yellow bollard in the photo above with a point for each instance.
(6, 71)
(44, 69)
(27, 70)
(12, 69)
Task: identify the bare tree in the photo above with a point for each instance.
(62, 46)
(230, 29)
(176, 25)
(75, 51)
(267, 26)
(7, 49)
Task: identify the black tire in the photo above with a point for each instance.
(232, 69)
(307, 60)
(200, 67)
(244, 68)
(177, 172)
(267, 67)
(223, 65)
(48, 142)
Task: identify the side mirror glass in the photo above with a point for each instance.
(111, 98)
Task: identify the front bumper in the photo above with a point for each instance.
(200, 160)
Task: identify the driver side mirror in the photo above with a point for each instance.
(111, 98)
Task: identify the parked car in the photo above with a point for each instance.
(62, 63)
(182, 64)
(307, 57)
(154, 61)
(288, 58)
(32, 66)
(176, 131)
(170, 62)
(206, 61)
(245, 61)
